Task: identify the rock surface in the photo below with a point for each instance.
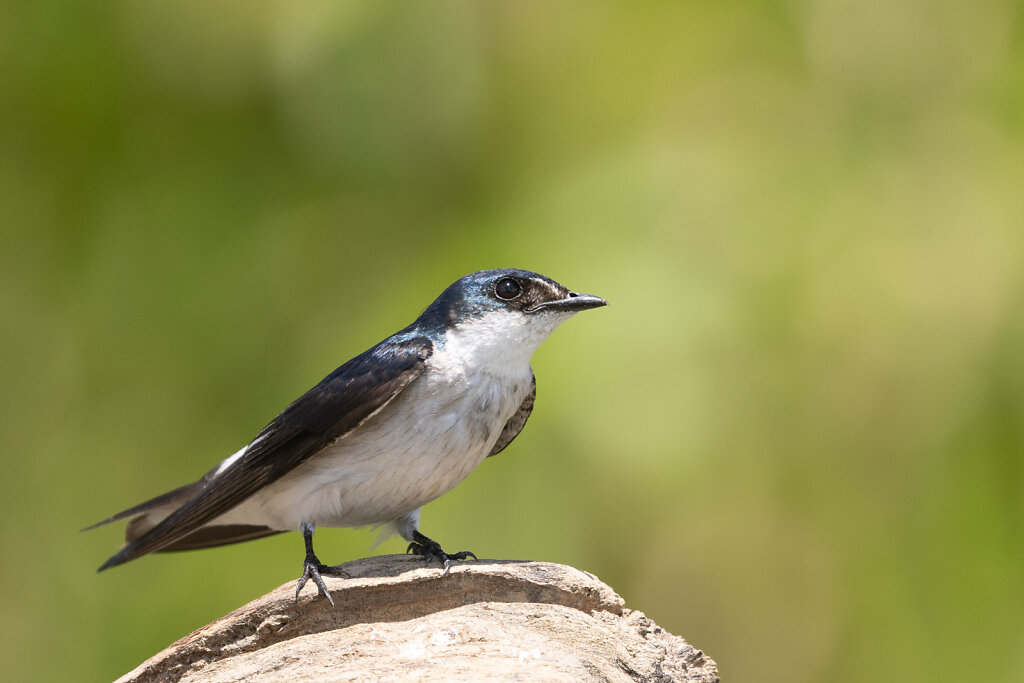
(397, 619)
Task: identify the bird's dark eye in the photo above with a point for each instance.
(507, 289)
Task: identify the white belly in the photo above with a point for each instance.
(419, 447)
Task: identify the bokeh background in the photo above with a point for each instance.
(795, 438)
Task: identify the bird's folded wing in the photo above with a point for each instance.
(516, 423)
(346, 398)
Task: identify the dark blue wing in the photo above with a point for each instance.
(338, 404)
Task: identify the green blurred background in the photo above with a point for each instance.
(796, 437)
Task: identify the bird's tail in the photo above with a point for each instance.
(145, 516)
(164, 503)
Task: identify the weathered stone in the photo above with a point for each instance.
(397, 619)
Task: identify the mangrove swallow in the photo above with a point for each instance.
(383, 435)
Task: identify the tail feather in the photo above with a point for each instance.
(145, 516)
(171, 499)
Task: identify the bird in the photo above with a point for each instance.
(387, 432)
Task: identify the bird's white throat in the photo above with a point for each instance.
(499, 343)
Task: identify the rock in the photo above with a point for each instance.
(397, 619)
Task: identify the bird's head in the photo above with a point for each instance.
(505, 310)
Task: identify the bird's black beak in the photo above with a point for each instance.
(574, 302)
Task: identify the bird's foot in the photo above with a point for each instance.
(312, 570)
(430, 549)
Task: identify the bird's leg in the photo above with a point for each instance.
(431, 550)
(312, 566)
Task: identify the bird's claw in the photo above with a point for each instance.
(431, 550)
(312, 571)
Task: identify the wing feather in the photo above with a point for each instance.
(516, 423)
(341, 402)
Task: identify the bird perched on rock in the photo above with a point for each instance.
(386, 433)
